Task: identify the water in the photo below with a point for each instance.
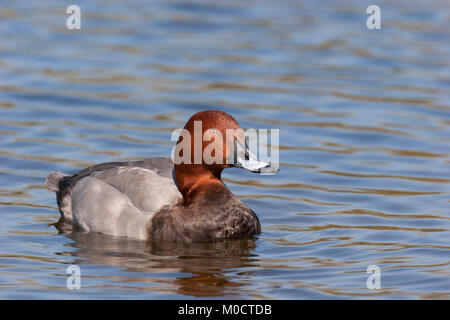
(364, 131)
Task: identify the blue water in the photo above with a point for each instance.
(363, 116)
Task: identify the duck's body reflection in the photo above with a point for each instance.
(202, 267)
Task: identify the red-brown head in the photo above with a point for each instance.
(210, 142)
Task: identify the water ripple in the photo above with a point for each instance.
(364, 120)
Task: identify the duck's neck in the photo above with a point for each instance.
(194, 180)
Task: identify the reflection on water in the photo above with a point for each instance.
(364, 143)
(203, 266)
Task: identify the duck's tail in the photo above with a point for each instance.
(57, 182)
(53, 180)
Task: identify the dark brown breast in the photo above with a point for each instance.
(213, 215)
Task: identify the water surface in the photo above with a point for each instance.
(364, 131)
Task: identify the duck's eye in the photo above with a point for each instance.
(213, 132)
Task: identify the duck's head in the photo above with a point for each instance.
(210, 142)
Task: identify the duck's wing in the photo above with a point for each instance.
(99, 207)
(146, 185)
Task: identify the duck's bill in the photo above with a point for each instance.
(245, 159)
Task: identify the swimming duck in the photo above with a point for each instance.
(155, 199)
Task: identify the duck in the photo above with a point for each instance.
(159, 199)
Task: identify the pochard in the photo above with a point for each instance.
(159, 199)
